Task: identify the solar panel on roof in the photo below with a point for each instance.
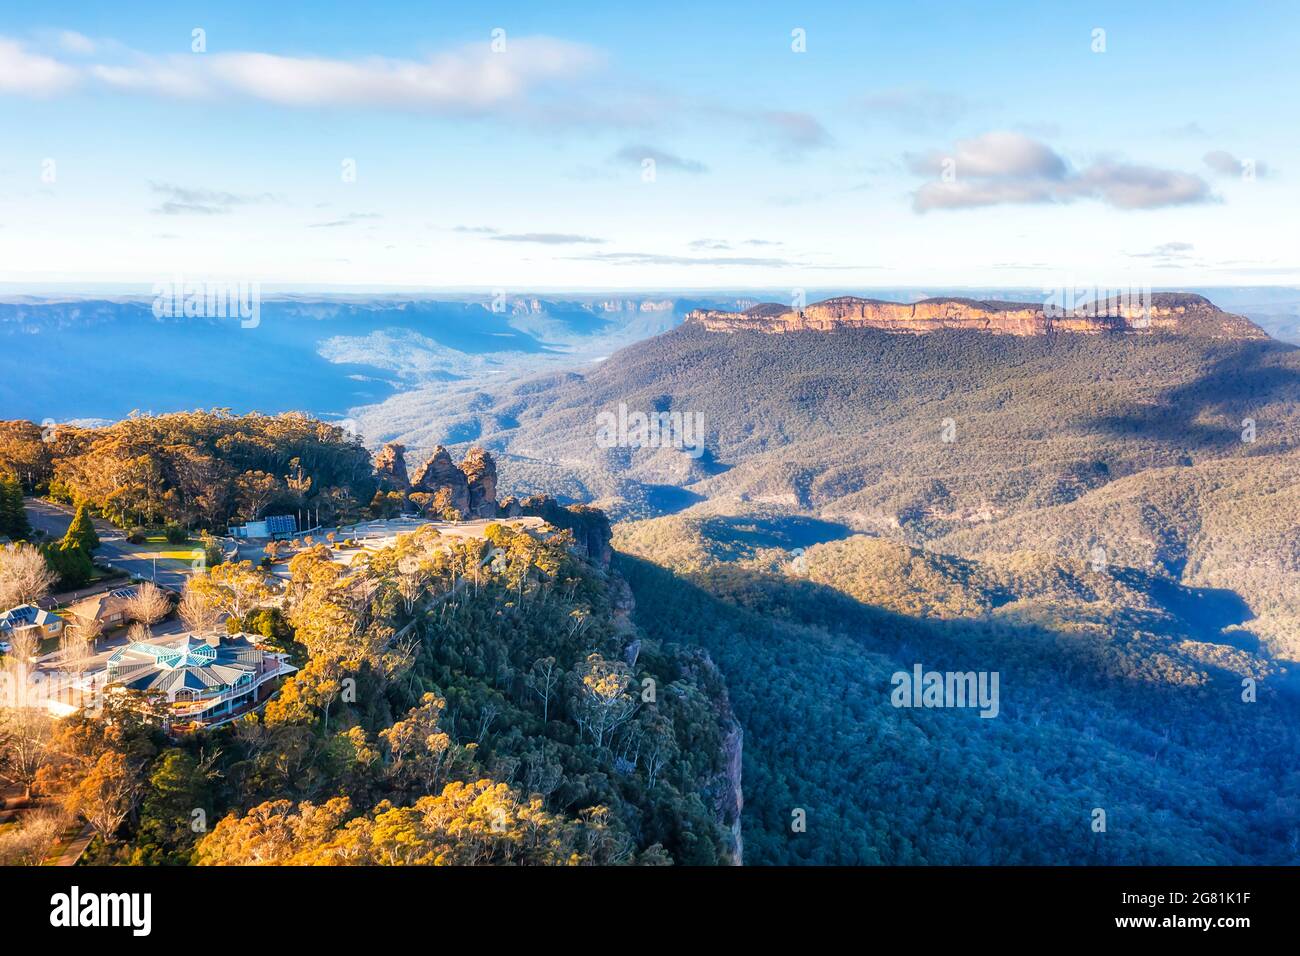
(281, 524)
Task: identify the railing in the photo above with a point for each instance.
(199, 704)
(183, 708)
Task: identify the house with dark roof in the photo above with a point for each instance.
(28, 618)
(109, 607)
(205, 681)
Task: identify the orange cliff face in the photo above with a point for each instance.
(1175, 312)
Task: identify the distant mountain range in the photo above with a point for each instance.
(324, 355)
(338, 354)
(1171, 312)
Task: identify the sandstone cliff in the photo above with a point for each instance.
(481, 474)
(1162, 311)
(440, 472)
(589, 526)
(723, 790)
(390, 466)
(471, 487)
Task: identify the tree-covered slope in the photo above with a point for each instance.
(1108, 701)
(458, 701)
(852, 421)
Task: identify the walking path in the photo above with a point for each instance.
(73, 851)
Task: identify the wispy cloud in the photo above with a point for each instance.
(795, 199)
(913, 110)
(549, 238)
(638, 154)
(539, 238)
(1224, 163)
(181, 200)
(466, 80)
(659, 259)
(1002, 168)
(351, 219)
(31, 74)
(791, 133)
(1167, 253)
(788, 134)
(1128, 186)
(721, 245)
(77, 43)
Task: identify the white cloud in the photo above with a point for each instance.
(1126, 186)
(1004, 168)
(994, 154)
(469, 79)
(32, 74)
(171, 76)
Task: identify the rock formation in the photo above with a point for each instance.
(390, 466)
(481, 473)
(590, 526)
(725, 787)
(471, 488)
(441, 472)
(1161, 311)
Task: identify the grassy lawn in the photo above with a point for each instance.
(184, 554)
(157, 544)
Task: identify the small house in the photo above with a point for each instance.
(28, 618)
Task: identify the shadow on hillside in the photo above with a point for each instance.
(1202, 613)
(1032, 652)
(669, 499)
(809, 675)
(1236, 386)
(778, 531)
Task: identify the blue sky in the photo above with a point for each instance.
(991, 144)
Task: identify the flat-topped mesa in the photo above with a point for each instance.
(1167, 311)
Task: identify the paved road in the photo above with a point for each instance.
(51, 518)
(114, 549)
